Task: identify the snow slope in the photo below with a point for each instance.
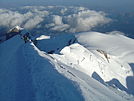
(115, 44)
(100, 57)
(28, 74)
(91, 62)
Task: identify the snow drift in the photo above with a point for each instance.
(114, 44)
(28, 74)
(118, 47)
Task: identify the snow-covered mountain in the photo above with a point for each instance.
(87, 66)
(12, 32)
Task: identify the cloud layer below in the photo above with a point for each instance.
(52, 18)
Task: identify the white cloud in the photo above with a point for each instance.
(85, 20)
(62, 27)
(68, 19)
(57, 20)
(33, 22)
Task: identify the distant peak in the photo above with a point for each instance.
(15, 29)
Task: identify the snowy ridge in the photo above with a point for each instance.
(46, 77)
(101, 61)
(34, 75)
(122, 49)
(50, 85)
(94, 63)
(118, 46)
(72, 75)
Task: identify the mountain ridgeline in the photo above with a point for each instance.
(86, 66)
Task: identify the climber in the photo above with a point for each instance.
(25, 38)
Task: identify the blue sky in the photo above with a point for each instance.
(107, 4)
(101, 2)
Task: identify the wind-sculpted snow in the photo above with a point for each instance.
(96, 55)
(94, 62)
(113, 43)
(28, 74)
(52, 18)
(118, 46)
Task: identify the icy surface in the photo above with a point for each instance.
(58, 60)
(28, 74)
(115, 44)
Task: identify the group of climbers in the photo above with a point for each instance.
(26, 37)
